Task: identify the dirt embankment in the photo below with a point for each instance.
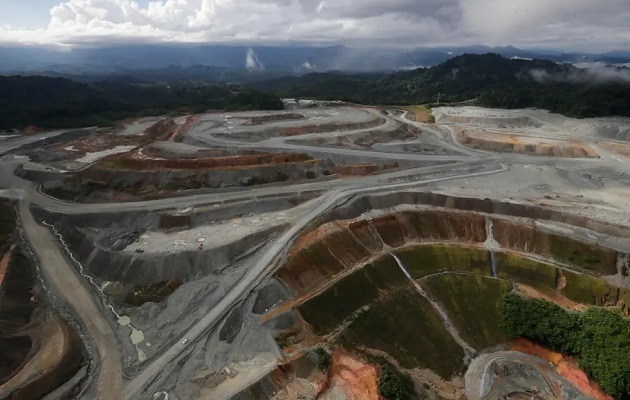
(128, 162)
(40, 351)
(488, 120)
(529, 239)
(363, 169)
(344, 239)
(618, 148)
(263, 119)
(303, 130)
(526, 145)
(341, 245)
(123, 178)
(565, 366)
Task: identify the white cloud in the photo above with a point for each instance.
(252, 62)
(553, 23)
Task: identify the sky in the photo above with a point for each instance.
(581, 25)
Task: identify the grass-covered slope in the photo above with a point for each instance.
(471, 303)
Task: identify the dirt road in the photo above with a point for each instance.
(61, 278)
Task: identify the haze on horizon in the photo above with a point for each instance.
(580, 25)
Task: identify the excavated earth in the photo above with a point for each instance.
(375, 232)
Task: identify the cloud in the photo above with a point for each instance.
(419, 23)
(593, 73)
(252, 63)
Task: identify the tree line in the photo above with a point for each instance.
(61, 103)
(598, 338)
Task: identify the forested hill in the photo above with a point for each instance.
(492, 79)
(61, 103)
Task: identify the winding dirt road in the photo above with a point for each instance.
(62, 279)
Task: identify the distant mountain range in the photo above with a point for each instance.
(490, 80)
(243, 63)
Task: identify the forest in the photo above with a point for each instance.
(62, 103)
(494, 81)
(598, 338)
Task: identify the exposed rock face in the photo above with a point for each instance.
(527, 238)
(344, 239)
(341, 245)
(302, 130)
(512, 144)
(147, 269)
(104, 182)
(513, 122)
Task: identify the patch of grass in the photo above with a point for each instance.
(326, 311)
(476, 320)
(588, 289)
(323, 358)
(583, 255)
(152, 293)
(426, 260)
(406, 326)
(523, 270)
(329, 309)
(421, 113)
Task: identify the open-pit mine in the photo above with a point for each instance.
(320, 252)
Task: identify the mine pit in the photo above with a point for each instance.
(316, 252)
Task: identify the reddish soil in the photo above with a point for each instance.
(183, 128)
(31, 129)
(4, 263)
(565, 366)
(551, 296)
(356, 379)
(524, 145)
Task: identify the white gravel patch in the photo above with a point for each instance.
(92, 157)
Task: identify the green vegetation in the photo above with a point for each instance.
(395, 385)
(430, 259)
(61, 103)
(404, 324)
(152, 293)
(477, 321)
(523, 270)
(322, 358)
(599, 339)
(391, 317)
(490, 78)
(326, 311)
(583, 255)
(421, 113)
(588, 289)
